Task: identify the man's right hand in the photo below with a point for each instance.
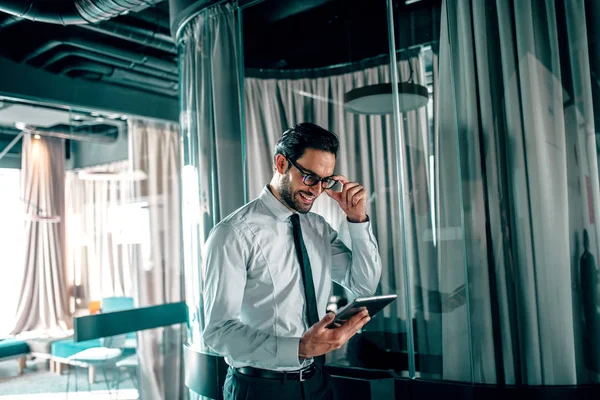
(319, 339)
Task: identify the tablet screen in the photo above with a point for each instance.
(374, 304)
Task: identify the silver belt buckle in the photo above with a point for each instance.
(303, 371)
(302, 378)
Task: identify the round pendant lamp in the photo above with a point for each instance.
(378, 99)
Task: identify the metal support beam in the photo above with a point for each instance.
(19, 81)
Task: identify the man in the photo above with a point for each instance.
(268, 271)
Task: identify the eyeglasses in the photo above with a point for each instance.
(312, 179)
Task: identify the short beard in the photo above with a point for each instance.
(285, 191)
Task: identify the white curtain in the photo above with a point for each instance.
(44, 294)
(156, 152)
(103, 246)
(522, 91)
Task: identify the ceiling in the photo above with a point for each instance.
(281, 34)
(136, 51)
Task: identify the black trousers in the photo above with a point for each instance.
(242, 387)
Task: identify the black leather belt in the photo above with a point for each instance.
(300, 375)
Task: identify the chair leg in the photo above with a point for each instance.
(68, 381)
(51, 365)
(89, 386)
(117, 379)
(76, 379)
(106, 381)
(22, 364)
(133, 377)
(58, 366)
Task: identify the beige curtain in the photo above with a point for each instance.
(155, 150)
(44, 294)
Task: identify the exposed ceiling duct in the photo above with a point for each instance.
(111, 51)
(134, 34)
(71, 12)
(104, 59)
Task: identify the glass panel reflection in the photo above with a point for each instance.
(435, 244)
(525, 103)
(308, 81)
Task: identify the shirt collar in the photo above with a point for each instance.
(280, 211)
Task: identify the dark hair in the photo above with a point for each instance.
(294, 142)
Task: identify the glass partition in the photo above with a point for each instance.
(317, 77)
(95, 228)
(481, 162)
(433, 213)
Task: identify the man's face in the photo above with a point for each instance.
(293, 191)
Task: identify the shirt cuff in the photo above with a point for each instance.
(360, 230)
(287, 351)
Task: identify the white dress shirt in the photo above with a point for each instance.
(253, 291)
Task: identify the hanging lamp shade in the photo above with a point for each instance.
(377, 99)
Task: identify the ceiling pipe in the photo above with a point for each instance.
(111, 51)
(141, 86)
(134, 34)
(71, 12)
(141, 36)
(120, 74)
(69, 52)
(129, 76)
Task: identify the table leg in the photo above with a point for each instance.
(22, 364)
(58, 367)
(91, 374)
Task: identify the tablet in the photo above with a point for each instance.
(374, 304)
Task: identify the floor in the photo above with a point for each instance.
(37, 382)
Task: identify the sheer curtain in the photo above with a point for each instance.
(155, 149)
(103, 251)
(529, 177)
(213, 146)
(44, 296)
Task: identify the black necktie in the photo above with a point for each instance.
(307, 278)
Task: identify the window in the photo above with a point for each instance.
(11, 246)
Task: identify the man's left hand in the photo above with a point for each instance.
(352, 199)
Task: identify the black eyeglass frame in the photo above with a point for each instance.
(325, 182)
